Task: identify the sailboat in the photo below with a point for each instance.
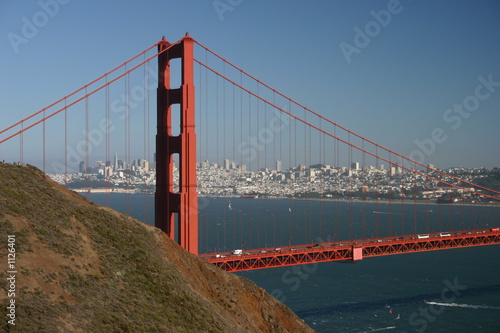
(229, 206)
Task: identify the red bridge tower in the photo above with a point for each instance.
(183, 206)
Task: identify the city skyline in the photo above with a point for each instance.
(227, 165)
(316, 181)
(420, 78)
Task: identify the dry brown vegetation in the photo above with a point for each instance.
(86, 268)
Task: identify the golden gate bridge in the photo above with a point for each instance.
(243, 119)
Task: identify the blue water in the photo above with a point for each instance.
(440, 291)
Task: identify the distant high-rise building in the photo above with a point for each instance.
(122, 165)
(355, 166)
(83, 167)
(115, 163)
(332, 171)
(144, 164)
(279, 166)
(227, 164)
(311, 172)
(108, 171)
(141, 163)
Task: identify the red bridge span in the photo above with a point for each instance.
(209, 108)
(350, 250)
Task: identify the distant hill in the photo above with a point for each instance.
(491, 180)
(85, 268)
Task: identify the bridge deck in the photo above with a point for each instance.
(351, 250)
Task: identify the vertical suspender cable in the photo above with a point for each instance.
(217, 149)
(233, 222)
(403, 194)
(427, 211)
(336, 154)
(203, 246)
(148, 116)
(305, 222)
(87, 159)
(363, 191)
(311, 202)
(350, 173)
(291, 167)
(21, 144)
(258, 168)
(144, 155)
(43, 142)
(65, 143)
(206, 86)
(250, 226)
(107, 168)
(224, 127)
(276, 212)
(377, 190)
(391, 192)
(241, 140)
(127, 140)
(414, 201)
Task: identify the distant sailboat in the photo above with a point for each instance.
(289, 209)
(229, 206)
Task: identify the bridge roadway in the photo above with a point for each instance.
(350, 250)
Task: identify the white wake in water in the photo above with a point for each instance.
(386, 213)
(379, 329)
(468, 306)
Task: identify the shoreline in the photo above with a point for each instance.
(103, 190)
(405, 202)
(384, 201)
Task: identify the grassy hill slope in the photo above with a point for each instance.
(82, 267)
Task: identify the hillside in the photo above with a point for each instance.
(81, 267)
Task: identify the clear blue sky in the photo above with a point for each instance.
(395, 90)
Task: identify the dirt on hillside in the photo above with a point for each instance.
(81, 267)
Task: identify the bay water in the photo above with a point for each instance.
(455, 290)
